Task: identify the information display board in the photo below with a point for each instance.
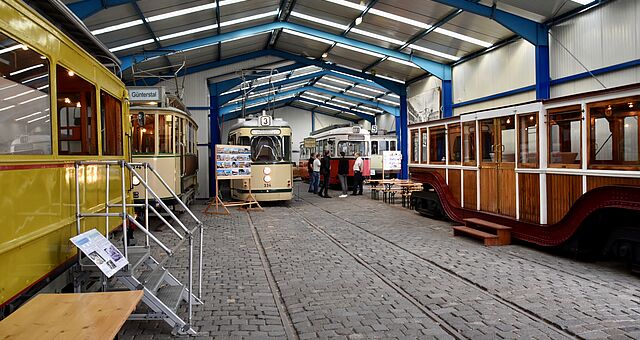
(233, 161)
(102, 252)
(391, 160)
(309, 142)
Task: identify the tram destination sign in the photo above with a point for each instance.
(233, 161)
(145, 94)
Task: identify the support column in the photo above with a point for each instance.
(214, 136)
(447, 98)
(543, 73)
(402, 131)
(313, 121)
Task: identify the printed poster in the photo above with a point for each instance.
(102, 252)
(233, 161)
(391, 160)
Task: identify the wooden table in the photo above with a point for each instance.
(71, 316)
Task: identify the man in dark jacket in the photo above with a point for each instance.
(343, 172)
(325, 171)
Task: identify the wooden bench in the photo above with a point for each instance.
(71, 316)
(492, 234)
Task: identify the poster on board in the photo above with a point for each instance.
(103, 253)
(391, 160)
(233, 161)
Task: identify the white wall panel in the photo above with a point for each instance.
(504, 69)
(605, 36)
(423, 100)
(506, 101)
(386, 122)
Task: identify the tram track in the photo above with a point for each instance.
(434, 265)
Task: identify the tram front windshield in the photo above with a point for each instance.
(351, 147)
(268, 149)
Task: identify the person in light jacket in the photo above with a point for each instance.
(358, 165)
(315, 174)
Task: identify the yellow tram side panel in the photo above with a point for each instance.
(168, 166)
(38, 201)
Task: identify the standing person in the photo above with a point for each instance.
(357, 174)
(343, 171)
(325, 170)
(315, 173)
(310, 170)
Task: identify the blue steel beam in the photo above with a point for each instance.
(533, 32)
(272, 105)
(368, 118)
(439, 70)
(86, 8)
(229, 84)
(390, 109)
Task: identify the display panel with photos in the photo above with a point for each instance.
(233, 161)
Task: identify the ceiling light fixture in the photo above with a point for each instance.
(358, 20)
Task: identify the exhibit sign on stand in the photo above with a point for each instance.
(232, 162)
(391, 161)
(101, 251)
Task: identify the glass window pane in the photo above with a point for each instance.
(374, 147)
(488, 140)
(528, 137)
(469, 145)
(614, 132)
(77, 123)
(415, 146)
(507, 139)
(165, 128)
(111, 118)
(25, 123)
(425, 150)
(437, 145)
(351, 147)
(287, 149)
(266, 149)
(455, 144)
(564, 136)
(143, 126)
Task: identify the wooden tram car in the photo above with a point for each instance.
(58, 105)
(271, 166)
(564, 172)
(164, 135)
(338, 138)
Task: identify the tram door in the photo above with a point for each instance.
(497, 165)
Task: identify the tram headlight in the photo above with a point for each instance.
(135, 181)
(266, 170)
(267, 178)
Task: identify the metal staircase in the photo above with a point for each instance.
(164, 293)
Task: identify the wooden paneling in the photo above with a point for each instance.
(488, 189)
(442, 172)
(506, 192)
(529, 196)
(470, 190)
(595, 181)
(454, 183)
(562, 192)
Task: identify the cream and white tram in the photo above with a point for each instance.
(164, 135)
(271, 167)
(380, 143)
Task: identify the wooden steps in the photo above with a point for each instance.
(492, 234)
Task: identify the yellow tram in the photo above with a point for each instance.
(271, 167)
(58, 105)
(164, 135)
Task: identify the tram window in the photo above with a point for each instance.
(143, 141)
(25, 124)
(266, 149)
(437, 145)
(425, 151)
(613, 132)
(507, 139)
(455, 142)
(415, 146)
(392, 145)
(528, 139)
(469, 143)
(564, 135)
(287, 149)
(374, 148)
(351, 147)
(111, 119)
(488, 140)
(244, 140)
(165, 129)
(177, 134)
(77, 122)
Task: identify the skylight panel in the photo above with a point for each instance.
(390, 78)
(339, 81)
(343, 102)
(249, 18)
(117, 27)
(434, 52)
(387, 101)
(133, 44)
(330, 86)
(377, 36)
(360, 86)
(319, 21)
(359, 94)
(308, 36)
(371, 109)
(318, 95)
(360, 50)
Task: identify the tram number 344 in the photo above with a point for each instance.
(267, 185)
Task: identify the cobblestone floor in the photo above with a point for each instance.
(355, 268)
